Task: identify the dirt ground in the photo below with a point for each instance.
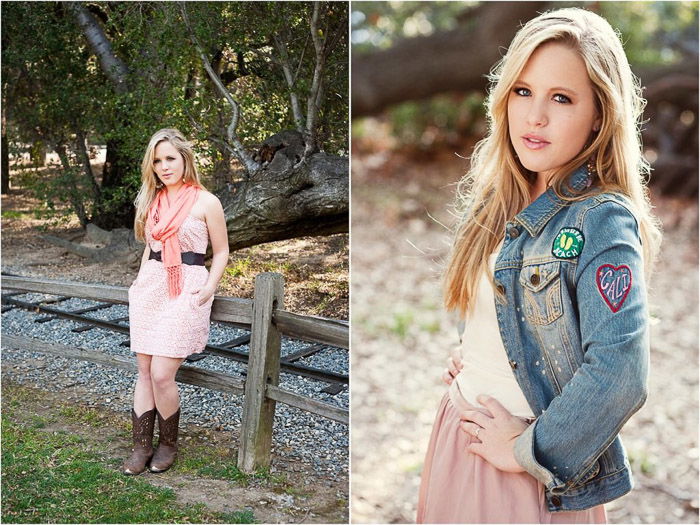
(299, 495)
(315, 269)
(401, 337)
(316, 283)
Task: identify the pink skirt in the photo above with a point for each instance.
(460, 487)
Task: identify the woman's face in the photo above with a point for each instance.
(551, 109)
(168, 165)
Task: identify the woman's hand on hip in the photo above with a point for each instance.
(454, 365)
(496, 435)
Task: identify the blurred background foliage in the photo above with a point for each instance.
(660, 39)
(57, 97)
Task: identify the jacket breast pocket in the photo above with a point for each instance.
(541, 292)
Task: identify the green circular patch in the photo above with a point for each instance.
(568, 243)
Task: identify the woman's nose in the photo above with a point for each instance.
(537, 115)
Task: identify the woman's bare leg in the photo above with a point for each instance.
(143, 392)
(165, 391)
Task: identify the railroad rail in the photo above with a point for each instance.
(262, 316)
(287, 363)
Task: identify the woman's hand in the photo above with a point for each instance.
(495, 436)
(454, 365)
(205, 292)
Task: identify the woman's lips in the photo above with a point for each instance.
(534, 142)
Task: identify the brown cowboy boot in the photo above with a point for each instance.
(142, 431)
(167, 442)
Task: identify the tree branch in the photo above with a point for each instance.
(420, 67)
(287, 69)
(81, 143)
(112, 66)
(235, 144)
(312, 105)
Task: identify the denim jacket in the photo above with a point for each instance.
(574, 325)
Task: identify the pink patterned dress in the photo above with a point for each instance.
(168, 327)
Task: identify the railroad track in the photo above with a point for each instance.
(229, 349)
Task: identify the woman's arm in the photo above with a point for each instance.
(610, 385)
(218, 234)
(144, 258)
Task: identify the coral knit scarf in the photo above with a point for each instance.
(164, 219)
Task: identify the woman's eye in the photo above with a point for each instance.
(562, 99)
(156, 161)
(521, 91)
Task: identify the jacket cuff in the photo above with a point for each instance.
(524, 451)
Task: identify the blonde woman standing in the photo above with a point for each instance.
(170, 300)
(548, 272)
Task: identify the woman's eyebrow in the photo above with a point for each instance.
(552, 89)
(565, 89)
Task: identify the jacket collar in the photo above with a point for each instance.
(538, 213)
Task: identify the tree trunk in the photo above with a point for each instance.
(113, 172)
(455, 60)
(84, 156)
(312, 199)
(75, 199)
(221, 174)
(5, 176)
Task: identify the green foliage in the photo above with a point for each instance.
(381, 24)
(424, 122)
(56, 93)
(653, 33)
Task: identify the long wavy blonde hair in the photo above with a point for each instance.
(150, 184)
(496, 188)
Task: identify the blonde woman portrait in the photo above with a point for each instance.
(175, 259)
(170, 300)
(548, 272)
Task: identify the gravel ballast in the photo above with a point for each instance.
(299, 435)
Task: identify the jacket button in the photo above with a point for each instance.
(513, 364)
(556, 501)
(535, 279)
(513, 232)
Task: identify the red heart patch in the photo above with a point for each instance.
(614, 284)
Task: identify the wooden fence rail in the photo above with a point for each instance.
(263, 316)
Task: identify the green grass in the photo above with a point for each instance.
(213, 462)
(85, 416)
(12, 214)
(246, 267)
(53, 477)
(401, 323)
(640, 459)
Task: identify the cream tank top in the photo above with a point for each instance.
(486, 368)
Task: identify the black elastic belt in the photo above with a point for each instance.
(191, 258)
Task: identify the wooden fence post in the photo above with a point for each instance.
(263, 369)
